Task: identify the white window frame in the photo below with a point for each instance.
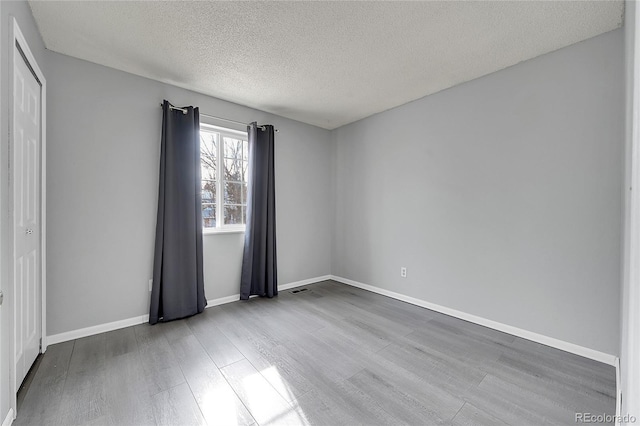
(220, 227)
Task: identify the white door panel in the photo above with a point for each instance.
(26, 150)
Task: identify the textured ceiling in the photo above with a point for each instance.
(323, 63)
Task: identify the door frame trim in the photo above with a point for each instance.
(18, 39)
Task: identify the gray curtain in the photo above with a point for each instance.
(259, 271)
(178, 283)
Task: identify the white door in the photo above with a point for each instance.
(26, 149)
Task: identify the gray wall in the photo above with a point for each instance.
(20, 10)
(501, 196)
(103, 156)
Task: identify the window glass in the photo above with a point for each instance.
(224, 161)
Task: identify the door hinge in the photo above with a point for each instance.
(40, 345)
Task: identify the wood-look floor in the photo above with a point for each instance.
(331, 355)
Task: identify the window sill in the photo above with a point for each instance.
(214, 231)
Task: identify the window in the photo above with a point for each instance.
(224, 160)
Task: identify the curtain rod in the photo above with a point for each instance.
(184, 111)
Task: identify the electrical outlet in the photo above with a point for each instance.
(150, 284)
(403, 272)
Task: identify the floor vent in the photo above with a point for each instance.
(299, 290)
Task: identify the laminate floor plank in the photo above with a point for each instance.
(321, 411)
(42, 401)
(217, 345)
(451, 375)
(332, 305)
(252, 342)
(470, 415)
(308, 320)
(312, 307)
(333, 398)
(262, 400)
(403, 313)
(159, 364)
(441, 397)
(472, 332)
(363, 408)
(514, 405)
(120, 342)
(330, 355)
(89, 353)
(279, 324)
(251, 322)
(454, 346)
(84, 398)
(588, 375)
(554, 386)
(403, 406)
(218, 402)
(174, 329)
(573, 387)
(177, 406)
(534, 349)
(272, 361)
(332, 382)
(334, 360)
(364, 338)
(127, 398)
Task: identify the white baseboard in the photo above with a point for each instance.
(9, 419)
(304, 282)
(515, 331)
(618, 393)
(222, 300)
(281, 287)
(116, 325)
(96, 329)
